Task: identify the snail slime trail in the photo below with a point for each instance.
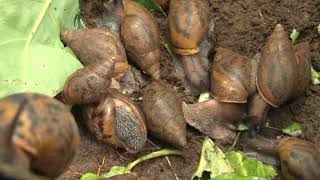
(128, 130)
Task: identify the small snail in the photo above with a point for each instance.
(116, 120)
(188, 23)
(38, 134)
(234, 81)
(141, 38)
(299, 159)
(164, 116)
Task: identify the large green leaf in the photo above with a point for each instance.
(32, 56)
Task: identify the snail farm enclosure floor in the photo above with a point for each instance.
(243, 26)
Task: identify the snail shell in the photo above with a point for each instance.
(96, 45)
(117, 120)
(232, 77)
(141, 38)
(299, 159)
(277, 71)
(89, 84)
(45, 131)
(164, 116)
(188, 23)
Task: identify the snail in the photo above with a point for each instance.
(299, 159)
(89, 84)
(141, 37)
(256, 84)
(39, 136)
(164, 116)
(97, 45)
(116, 120)
(187, 24)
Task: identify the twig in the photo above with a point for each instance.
(235, 141)
(167, 158)
(101, 165)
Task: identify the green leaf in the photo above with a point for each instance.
(242, 127)
(151, 4)
(90, 176)
(294, 35)
(79, 23)
(204, 97)
(249, 167)
(212, 160)
(293, 129)
(116, 170)
(32, 56)
(315, 76)
(168, 48)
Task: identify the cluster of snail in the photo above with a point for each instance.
(241, 89)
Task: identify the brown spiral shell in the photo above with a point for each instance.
(45, 131)
(117, 120)
(89, 84)
(164, 115)
(299, 159)
(232, 77)
(277, 71)
(96, 45)
(141, 38)
(188, 23)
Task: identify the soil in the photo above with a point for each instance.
(243, 26)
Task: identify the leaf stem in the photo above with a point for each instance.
(155, 154)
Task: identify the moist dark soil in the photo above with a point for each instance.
(241, 25)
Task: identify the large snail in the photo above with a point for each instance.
(141, 37)
(234, 80)
(117, 120)
(164, 116)
(188, 23)
(38, 134)
(103, 56)
(299, 159)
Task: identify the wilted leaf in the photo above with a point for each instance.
(151, 4)
(294, 35)
(212, 160)
(293, 129)
(204, 97)
(32, 56)
(315, 76)
(168, 48)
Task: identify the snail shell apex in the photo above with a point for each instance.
(188, 23)
(277, 71)
(231, 77)
(96, 45)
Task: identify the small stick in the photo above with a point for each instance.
(167, 158)
(101, 165)
(235, 141)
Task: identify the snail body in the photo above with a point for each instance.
(36, 121)
(187, 24)
(141, 38)
(164, 116)
(299, 159)
(116, 120)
